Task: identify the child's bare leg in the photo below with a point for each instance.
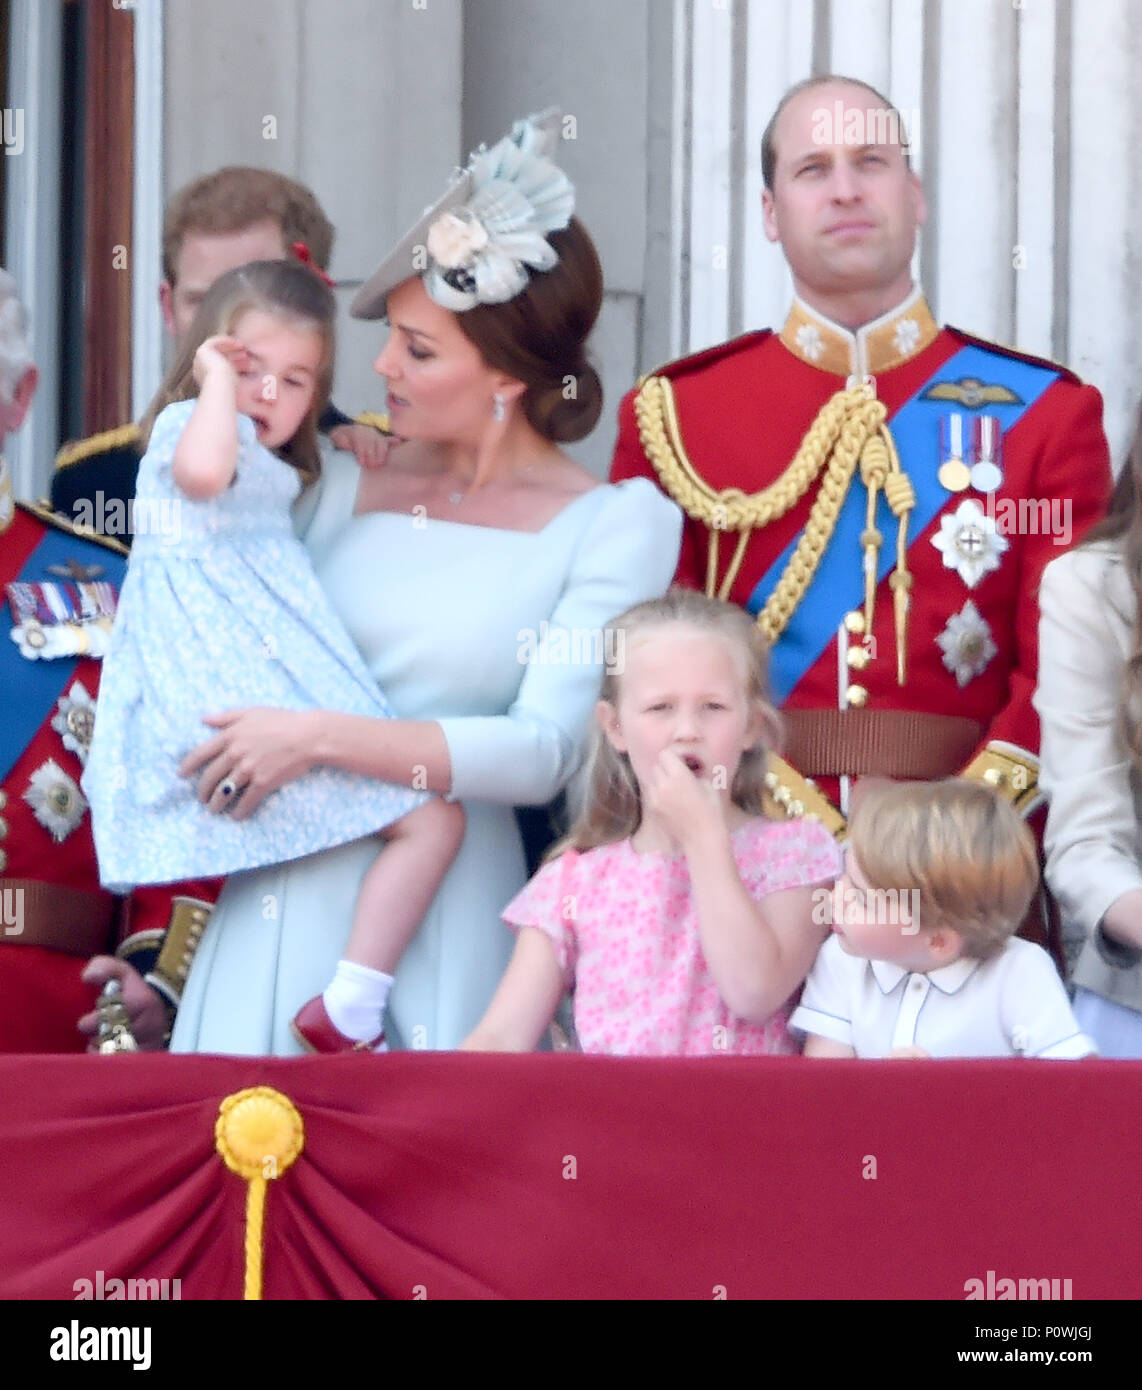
(395, 894)
(402, 881)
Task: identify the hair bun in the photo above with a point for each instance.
(540, 337)
(570, 410)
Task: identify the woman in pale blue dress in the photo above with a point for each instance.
(475, 573)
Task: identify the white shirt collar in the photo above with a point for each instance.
(947, 978)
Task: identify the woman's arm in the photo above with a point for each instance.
(626, 555)
(525, 1002)
(262, 749)
(1092, 833)
(1123, 919)
(519, 758)
(206, 456)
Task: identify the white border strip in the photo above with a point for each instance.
(31, 226)
(147, 224)
(710, 158)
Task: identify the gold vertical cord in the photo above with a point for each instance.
(735, 564)
(712, 560)
(901, 498)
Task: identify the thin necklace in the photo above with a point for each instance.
(524, 468)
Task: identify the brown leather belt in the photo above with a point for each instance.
(73, 920)
(878, 742)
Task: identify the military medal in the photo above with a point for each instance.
(966, 643)
(75, 720)
(986, 473)
(64, 619)
(55, 799)
(953, 473)
(970, 542)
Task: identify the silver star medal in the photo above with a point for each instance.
(966, 644)
(55, 799)
(75, 721)
(970, 542)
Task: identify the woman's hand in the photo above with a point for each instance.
(222, 353)
(255, 752)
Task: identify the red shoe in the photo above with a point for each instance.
(315, 1030)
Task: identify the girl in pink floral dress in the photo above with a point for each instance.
(681, 916)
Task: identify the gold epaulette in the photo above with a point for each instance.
(789, 794)
(1012, 771)
(42, 511)
(117, 438)
(374, 419)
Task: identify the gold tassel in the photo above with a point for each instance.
(873, 472)
(712, 561)
(259, 1133)
(901, 497)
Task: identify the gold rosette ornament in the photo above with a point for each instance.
(259, 1133)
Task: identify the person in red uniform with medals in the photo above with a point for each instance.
(881, 492)
(59, 592)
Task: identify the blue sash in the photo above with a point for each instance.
(31, 688)
(838, 585)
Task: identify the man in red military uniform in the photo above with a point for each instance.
(882, 492)
(59, 593)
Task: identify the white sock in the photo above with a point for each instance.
(356, 999)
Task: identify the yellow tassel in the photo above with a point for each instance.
(259, 1133)
(712, 562)
(874, 464)
(901, 497)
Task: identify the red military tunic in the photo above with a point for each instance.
(49, 881)
(742, 410)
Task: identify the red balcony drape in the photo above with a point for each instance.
(464, 1176)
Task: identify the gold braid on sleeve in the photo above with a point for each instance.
(849, 432)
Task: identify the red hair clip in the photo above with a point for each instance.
(301, 252)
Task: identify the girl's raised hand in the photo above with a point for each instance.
(687, 806)
(222, 353)
(370, 446)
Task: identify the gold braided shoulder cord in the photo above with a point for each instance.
(849, 430)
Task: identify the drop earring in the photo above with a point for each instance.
(498, 408)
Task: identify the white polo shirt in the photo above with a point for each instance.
(1011, 1005)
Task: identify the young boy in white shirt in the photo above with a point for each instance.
(923, 961)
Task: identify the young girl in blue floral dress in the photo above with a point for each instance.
(221, 610)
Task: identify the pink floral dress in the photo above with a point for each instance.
(625, 933)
